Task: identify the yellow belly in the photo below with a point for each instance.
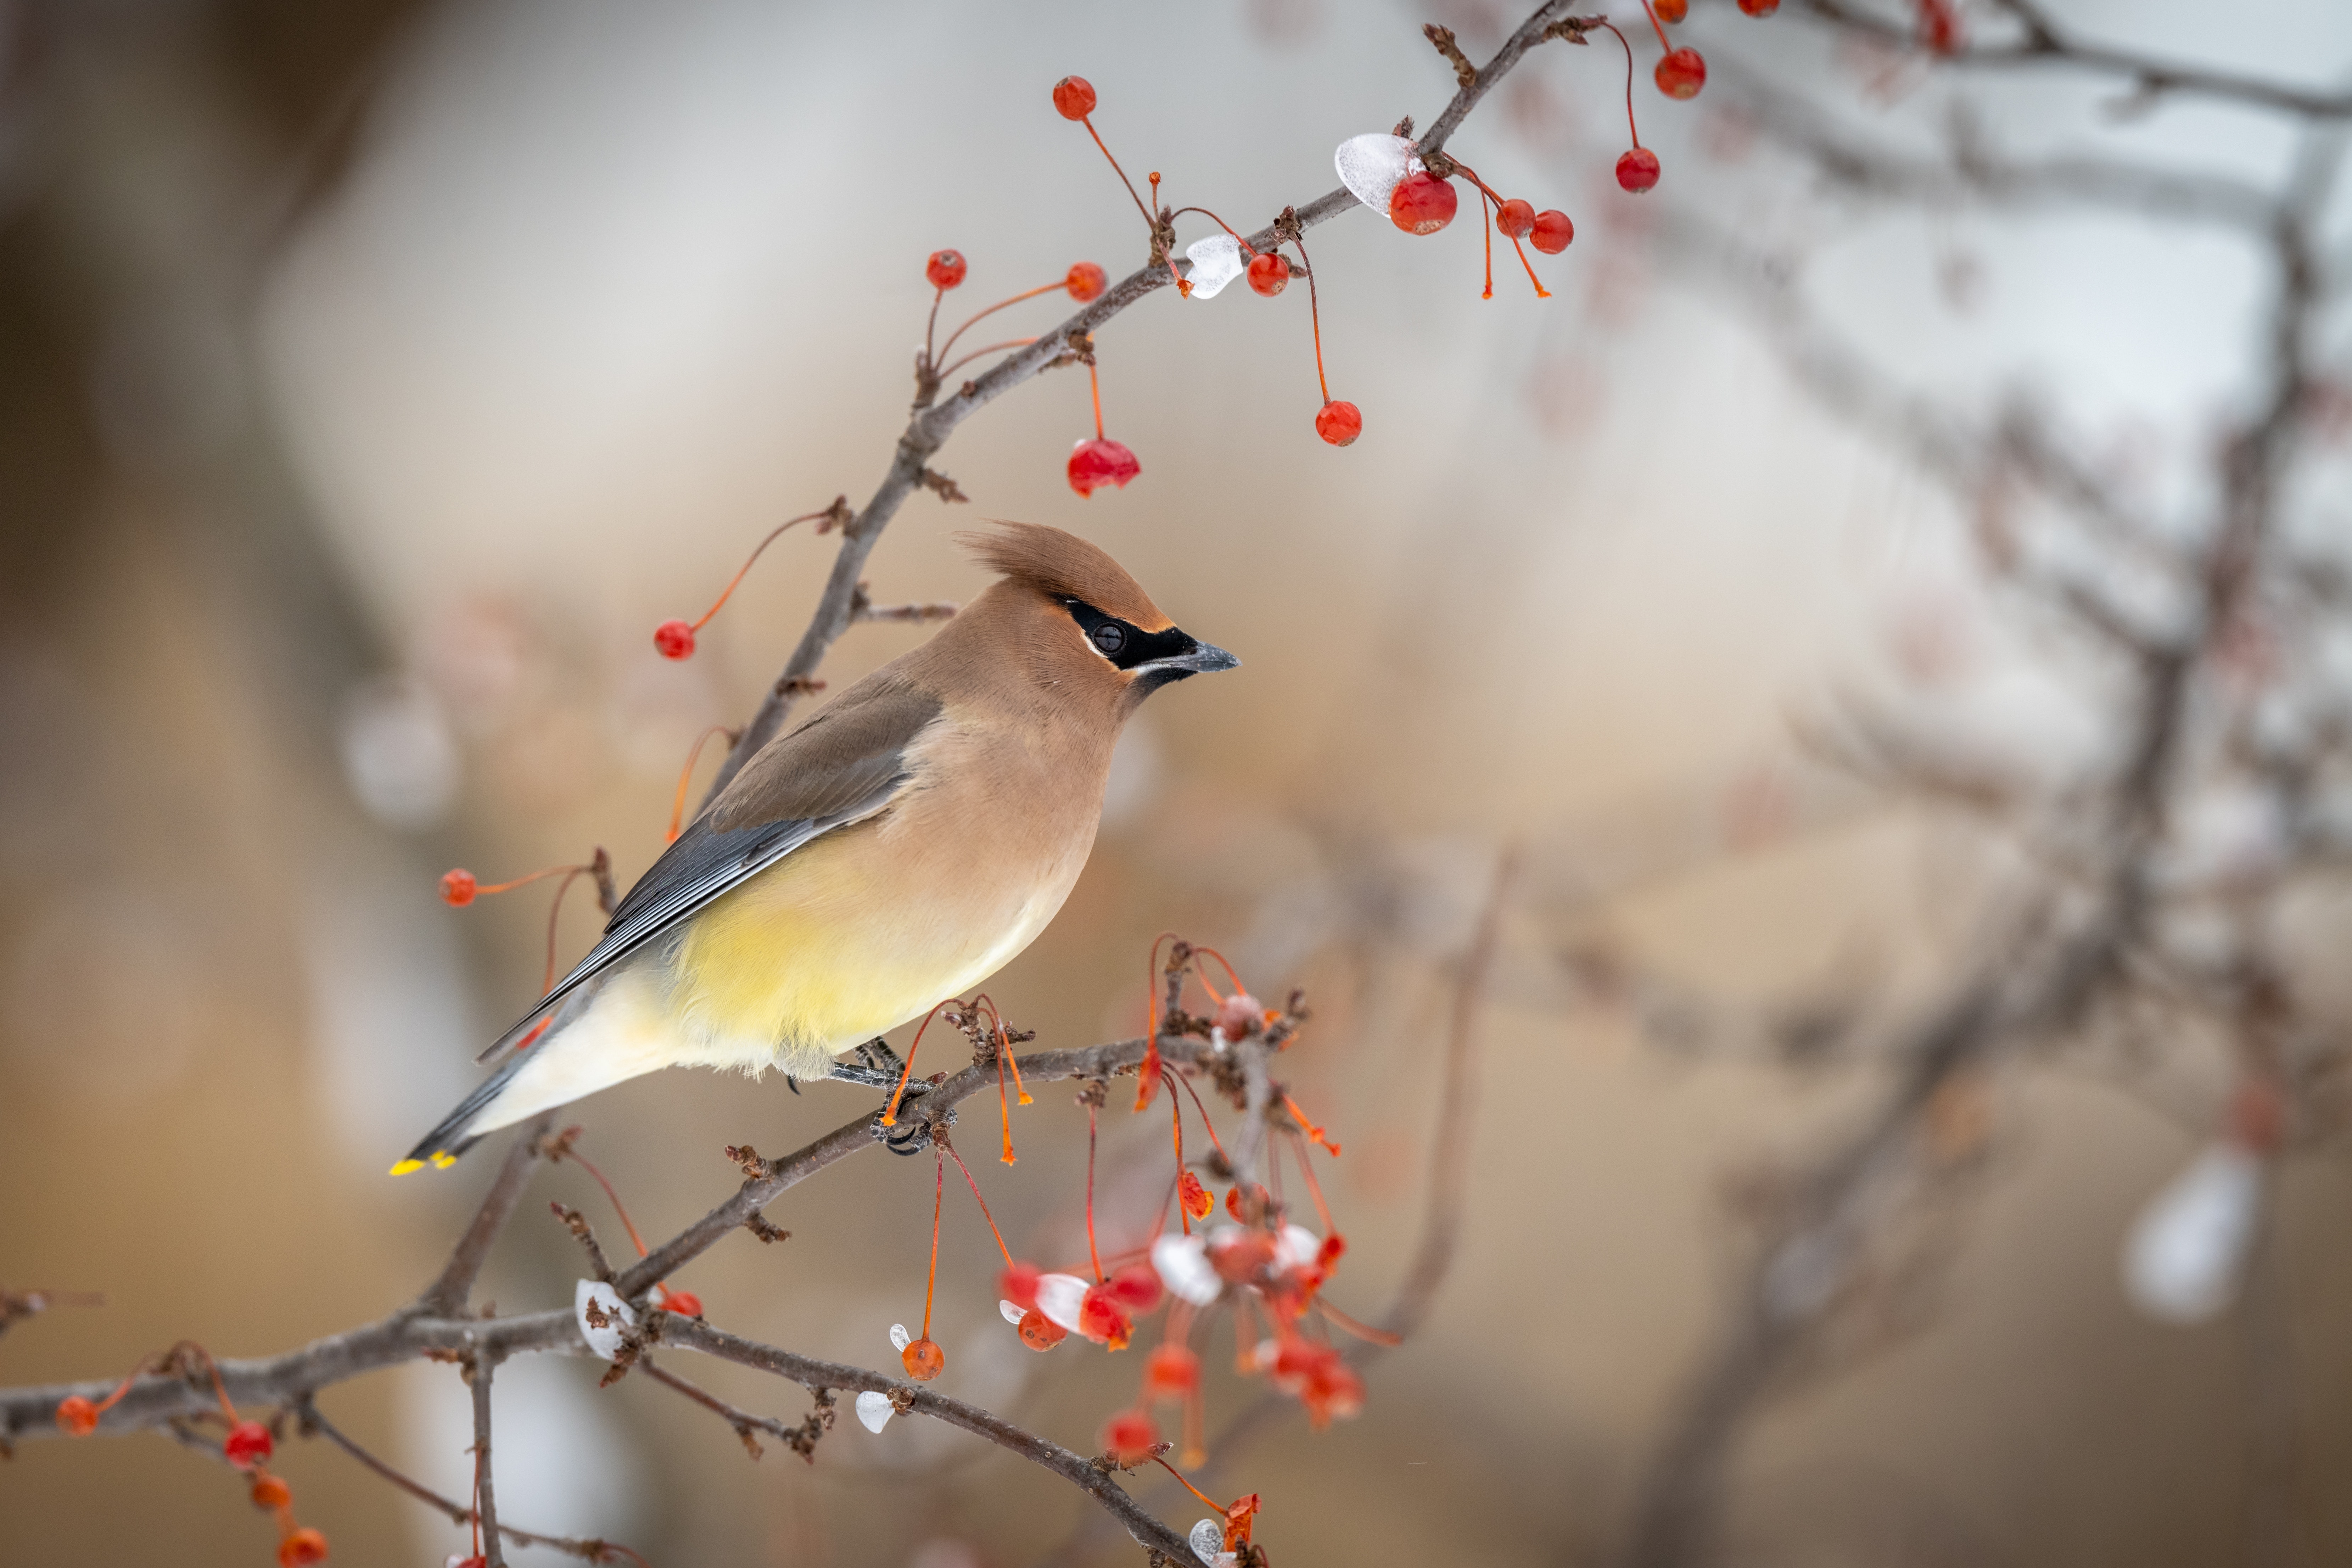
(841, 943)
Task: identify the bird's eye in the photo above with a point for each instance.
(1110, 637)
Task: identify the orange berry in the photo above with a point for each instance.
(1552, 232)
(1682, 73)
(1193, 1196)
(272, 1492)
(457, 888)
(1172, 1372)
(301, 1547)
(925, 1360)
(674, 639)
(77, 1416)
(1074, 96)
(1040, 1333)
(1086, 281)
(1338, 422)
(945, 269)
(1129, 1435)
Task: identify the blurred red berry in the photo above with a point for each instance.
(1760, 7)
(457, 888)
(1515, 218)
(1103, 1319)
(1637, 171)
(1671, 11)
(1268, 274)
(1086, 281)
(945, 269)
(1239, 1256)
(1423, 204)
(684, 1303)
(1075, 97)
(674, 639)
(301, 1548)
(270, 1491)
(247, 1444)
(1129, 1435)
(1099, 462)
(1338, 422)
(1682, 73)
(1018, 1285)
(1040, 1333)
(1193, 1196)
(924, 1360)
(77, 1416)
(1552, 232)
(1170, 1372)
(1136, 1288)
(1939, 26)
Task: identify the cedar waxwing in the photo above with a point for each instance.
(894, 849)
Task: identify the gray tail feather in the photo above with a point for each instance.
(450, 1139)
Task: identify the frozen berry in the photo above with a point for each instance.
(1682, 73)
(1018, 1284)
(1268, 274)
(247, 1444)
(77, 1416)
(1086, 281)
(1338, 422)
(924, 1358)
(1104, 1319)
(1135, 1287)
(1515, 218)
(1129, 1435)
(457, 888)
(1040, 1333)
(1099, 462)
(674, 639)
(1423, 204)
(945, 269)
(1075, 97)
(1552, 232)
(1637, 171)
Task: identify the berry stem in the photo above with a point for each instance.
(939, 1197)
(1652, 12)
(1094, 1256)
(1314, 1187)
(1215, 1141)
(776, 533)
(1089, 123)
(1176, 1116)
(1541, 292)
(1058, 283)
(1631, 129)
(686, 776)
(1314, 316)
(1362, 1331)
(890, 1112)
(1220, 223)
(981, 1201)
(1093, 385)
(634, 1239)
(946, 371)
(1187, 1486)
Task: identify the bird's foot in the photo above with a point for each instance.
(912, 1135)
(876, 1053)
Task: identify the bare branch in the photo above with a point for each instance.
(486, 1499)
(447, 1295)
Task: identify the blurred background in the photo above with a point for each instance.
(1794, 589)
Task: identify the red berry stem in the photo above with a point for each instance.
(775, 534)
(1631, 129)
(1314, 315)
(945, 370)
(1220, 223)
(1058, 284)
(939, 1200)
(1089, 121)
(1652, 12)
(981, 1201)
(1094, 385)
(1093, 1255)
(891, 1111)
(686, 776)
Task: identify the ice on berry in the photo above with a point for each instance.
(874, 1410)
(613, 1316)
(1012, 1312)
(899, 1338)
(1182, 1264)
(1216, 261)
(1371, 166)
(1060, 1297)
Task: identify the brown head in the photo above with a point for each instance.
(1080, 618)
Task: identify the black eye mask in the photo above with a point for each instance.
(1125, 644)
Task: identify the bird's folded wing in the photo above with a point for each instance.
(844, 765)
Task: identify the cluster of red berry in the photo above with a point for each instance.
(247, 1446)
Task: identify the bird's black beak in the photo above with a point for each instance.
(1201, 659)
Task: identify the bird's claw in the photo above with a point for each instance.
(909, 1136)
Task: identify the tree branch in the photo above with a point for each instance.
(447, 1295)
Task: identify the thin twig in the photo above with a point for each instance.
(447, 1295)
(486, 1497)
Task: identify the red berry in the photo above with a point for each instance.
(945, 269)
(1552, 232)
(1040, 1333)
(1136, 1288)
(1268, 274)
(1423, 204)
(1240, 1256)
(1760, 7)
(1637, 171)
(301, 1548)
(1099, 462)
(270, 1491)
(77, 1416)
(1682, 73)
(1195, 1196)
(457, 888)
(247, 1444)
(674, 639)
(1018, 1285)
(1338, 422)
(1075, 97)
(1170, 1372)
(925, 1360)
(1103, 1319)
(1515, 218)
(1129, 1435)
(1671, 11)
(1086, 281)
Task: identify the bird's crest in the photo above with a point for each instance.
(1066, 566)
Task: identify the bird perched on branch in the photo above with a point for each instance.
(897, 847)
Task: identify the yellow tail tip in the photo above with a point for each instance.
(443, 1162)
(404, 1166)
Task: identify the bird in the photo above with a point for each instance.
(892, 850)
